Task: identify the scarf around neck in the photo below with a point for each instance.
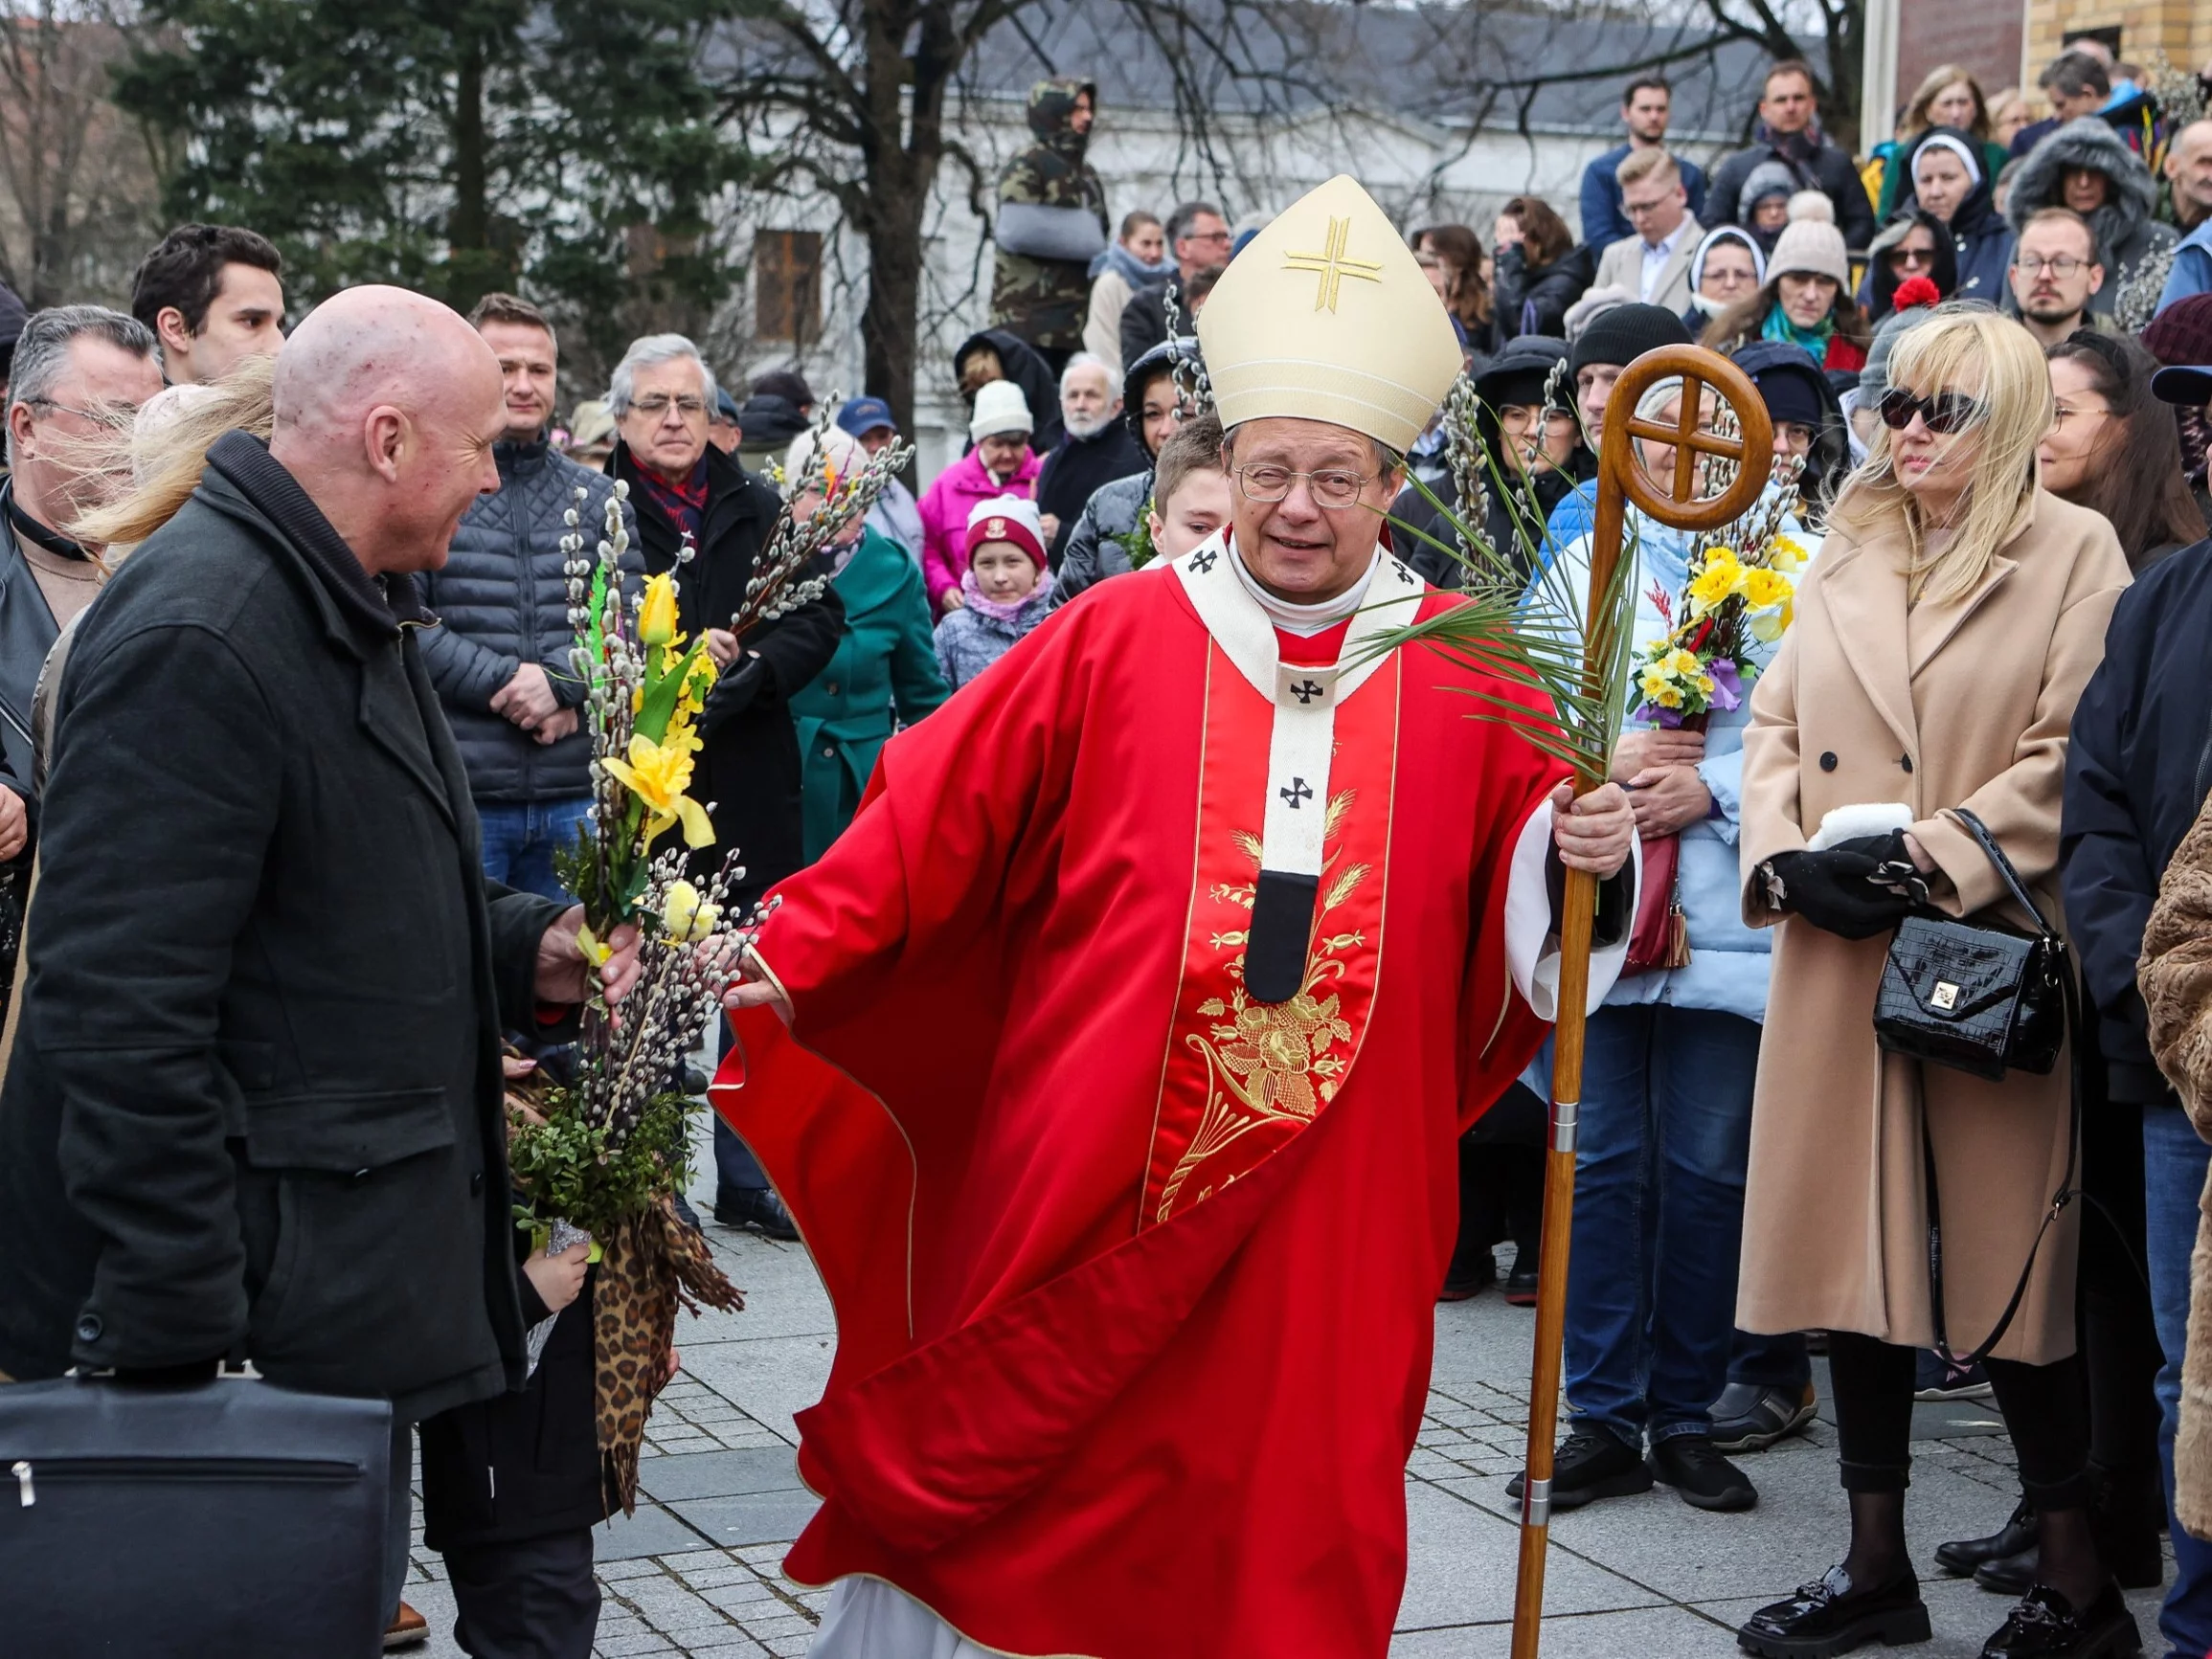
(1130, 268)
(683, 505)
(997, 610)
(1813, 340)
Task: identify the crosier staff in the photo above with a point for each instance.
(1620, 479)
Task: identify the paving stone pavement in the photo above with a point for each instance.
(695, 1572)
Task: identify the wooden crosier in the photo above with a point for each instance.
(1620, 480)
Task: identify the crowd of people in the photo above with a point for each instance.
(1986, 358)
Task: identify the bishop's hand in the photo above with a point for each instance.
(1594, 832)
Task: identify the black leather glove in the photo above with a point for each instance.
(1853, 890)
(733, 691)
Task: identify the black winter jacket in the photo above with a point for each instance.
(748, 773)
(255, 1102)
(501, 600)
(1835, 176)
(2138, 767)
(1526, 302)
(524, 1465)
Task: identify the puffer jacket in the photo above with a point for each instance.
(1098, 547)
(2128, 234)
(502, 600)
(1729, 962)
(968, 642)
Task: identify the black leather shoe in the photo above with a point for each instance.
(1748, 1418)
(2045, 1625)
(1592, 1465)
(1704, 1478)
(1962, 1556)
(1470, 1276)
(1830, 1616)
(758, 1208)
(1521, 1282)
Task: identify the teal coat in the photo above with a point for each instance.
(886, 659)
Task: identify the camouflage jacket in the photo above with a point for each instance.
(1045, 301)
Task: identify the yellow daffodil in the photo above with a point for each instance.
(658, 774)
(1684, 664)
(1668, 698)
(1716, 582)
(1705, 684)
(1763, 587)
(1771, 625)
(656, 615)
(1786, 554)
(686, 916)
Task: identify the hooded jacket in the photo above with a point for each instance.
(1830, 457)
(2127, 232)
(1019, 361)
(1051, 224)
(1816, 164)
(1978, 232)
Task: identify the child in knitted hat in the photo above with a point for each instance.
(1003, 590)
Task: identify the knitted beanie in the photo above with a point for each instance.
(999, 408)
(1625, 333)
(1809, 248)
(1008, 518)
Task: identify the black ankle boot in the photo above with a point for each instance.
(1962, 1555)
(1832, 1616)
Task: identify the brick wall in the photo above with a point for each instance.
(2180, 28)
(1982, 35)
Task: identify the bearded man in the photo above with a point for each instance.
(1096, 447)
(1129, 1165)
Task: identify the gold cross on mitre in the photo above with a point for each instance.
(1333, 264)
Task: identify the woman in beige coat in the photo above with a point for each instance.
(1939, 647)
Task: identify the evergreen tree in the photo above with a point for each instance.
(454, 147)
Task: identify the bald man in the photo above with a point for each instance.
(253, 1110)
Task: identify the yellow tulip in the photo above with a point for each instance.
(686, 916)
(656, 615)
(658, 775)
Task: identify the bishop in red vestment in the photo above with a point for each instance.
(1131, 1026)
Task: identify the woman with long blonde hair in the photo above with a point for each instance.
(1940, 644)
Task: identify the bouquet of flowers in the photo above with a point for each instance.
(606, 1150)
(1739, 591)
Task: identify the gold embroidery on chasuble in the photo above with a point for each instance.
(1242, 1077)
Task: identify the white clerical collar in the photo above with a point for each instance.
(1307, 621)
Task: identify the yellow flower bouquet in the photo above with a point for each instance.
(1738, 591)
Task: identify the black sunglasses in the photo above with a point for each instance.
(1946, 413)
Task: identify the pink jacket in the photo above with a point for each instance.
(945, 506)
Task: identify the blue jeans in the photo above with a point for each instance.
(2174, 1166)
(1659, 1216)
(519, 838)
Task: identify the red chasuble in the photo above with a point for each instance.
(1134, 1274)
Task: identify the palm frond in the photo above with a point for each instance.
(1531, 633)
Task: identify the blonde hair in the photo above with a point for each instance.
(1648, 163)
(1916, 118)
(1970, 349)
(166, 455)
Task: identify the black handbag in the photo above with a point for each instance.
(1979, 997)
(230, 1519)
(1985, 998)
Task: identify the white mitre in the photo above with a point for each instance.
(1327, 316)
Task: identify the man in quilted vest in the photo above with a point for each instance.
(500, 655)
